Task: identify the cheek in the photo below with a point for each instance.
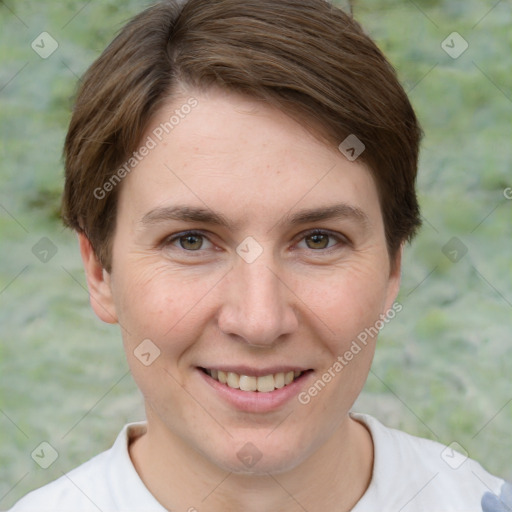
(153, 300)
(346, 301)
(350, 305)
(161, 305)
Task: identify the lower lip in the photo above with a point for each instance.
(256, 401)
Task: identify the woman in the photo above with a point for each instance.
(242, 178)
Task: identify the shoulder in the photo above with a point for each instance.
(416, 474)
(107, 482)
(78, 488)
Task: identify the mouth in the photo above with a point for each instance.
(252, 383)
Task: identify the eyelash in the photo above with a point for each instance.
(341, 239)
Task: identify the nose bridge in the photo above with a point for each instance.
(262, 286)
(257, 306)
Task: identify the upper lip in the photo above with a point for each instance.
(256, 372)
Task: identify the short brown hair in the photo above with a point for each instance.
(305, 57)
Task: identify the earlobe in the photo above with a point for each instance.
(98, 283)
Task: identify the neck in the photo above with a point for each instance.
(332, 479)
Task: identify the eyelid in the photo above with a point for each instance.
(170, 239)
(341, 239)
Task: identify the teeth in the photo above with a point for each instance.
(233, 380)
(279, 380)
(263, 384)
(266, 383)
(247, 383)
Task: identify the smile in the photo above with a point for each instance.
(263, 383)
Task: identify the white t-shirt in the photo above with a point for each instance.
(409, 474)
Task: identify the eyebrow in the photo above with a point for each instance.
(194, 214)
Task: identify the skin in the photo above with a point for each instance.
(301, 302)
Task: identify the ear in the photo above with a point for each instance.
(395, 274)
(98, 282)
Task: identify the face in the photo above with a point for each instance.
(246, 250)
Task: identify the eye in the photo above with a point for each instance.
(318, 239)
(194, 241)
(190, 241)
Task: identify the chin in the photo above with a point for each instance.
(263, 467)
(245, 458)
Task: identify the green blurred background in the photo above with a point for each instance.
(443, 366)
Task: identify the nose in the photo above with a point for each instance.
(258, 306)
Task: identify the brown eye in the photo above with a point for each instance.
(323, 241)
(191, 242)
(317, 241)
(187, 242)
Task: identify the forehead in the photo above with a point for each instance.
(223, 151)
